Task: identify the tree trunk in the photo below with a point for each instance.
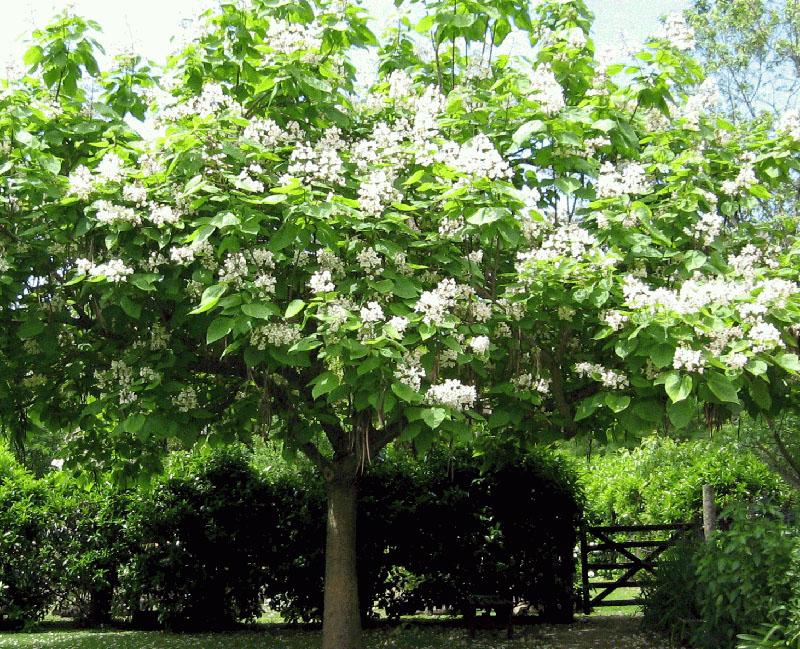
(341, 623)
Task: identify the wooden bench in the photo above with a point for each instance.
(503, 617)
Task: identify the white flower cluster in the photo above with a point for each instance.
(629, 178)
(451, 228)
(371, 313)
(320, 162)
(370, 261)
(452, 394)
(108, 213)
(163, 215)
(110, 168)
(184, 255)
(708, 228)
(479, 158)
(703, 101)
(320, 282)
(697, 293)
(744, 179)
(119, 379)
(211, 100)
(480, 344)
(615, 319)
(268, 134)
(277, 334)
(677, 32)
(436, 305)
(234, 269)
(377, 191)
(186, 400)
(547, 90)
(789, 123)
(688, 359)
(409, 371)
(114, 270)
(287, 38)
(401, 86)
(764, 336)
(247, 179)
(609, 378)
(135, 193)
(398, 323)
(383, 147)
(81, 182)
(530, 382)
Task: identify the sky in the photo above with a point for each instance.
(150, 24)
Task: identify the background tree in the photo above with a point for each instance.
(752, 47)
(521, 247)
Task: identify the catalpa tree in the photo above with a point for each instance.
(481, 243)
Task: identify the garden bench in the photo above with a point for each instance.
(503, 617)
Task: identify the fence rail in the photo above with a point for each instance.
(603, 538)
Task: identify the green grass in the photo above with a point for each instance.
(618, 632)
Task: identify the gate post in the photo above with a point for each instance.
(585, 571)
(709, 511)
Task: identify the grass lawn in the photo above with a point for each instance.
(596, 632)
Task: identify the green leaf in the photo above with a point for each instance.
(324, 383)
(682, 412)
(788, 361)
(662, 355)
(219, 328)
(273, 199)
(406, 393)
(225, 219)
(604, 125)
(434, 416)
(306, 344)
(295, 307)
(721, 387)
(404, 288)
(210, 298)
(486, 215)
(678, 387)
(617, 402)
(759, 392)
(30, 329)
(260, 310)
(524, 132)
(131, 308)
(587, 407)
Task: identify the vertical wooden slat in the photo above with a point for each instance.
(585, 570)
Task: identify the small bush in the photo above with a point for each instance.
(93, 545)
(743, 575)
(661, 481)
(671, 595)
(202, 554)
(708, 593)
(28, 556)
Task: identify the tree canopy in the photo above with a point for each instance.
(477, 243)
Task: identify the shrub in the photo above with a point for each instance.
(93, 545)
(743, 574)
(661, 481)
(28, 556)
(708, 593)
(202, 543)
(436, 532)
(671, 595)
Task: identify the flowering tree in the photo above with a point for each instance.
(479, 243)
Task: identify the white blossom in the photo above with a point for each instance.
(372, 312)
(688, 359)
(480, 344)
(320, 282)
(452, 393)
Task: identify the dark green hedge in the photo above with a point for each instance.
(210, 540)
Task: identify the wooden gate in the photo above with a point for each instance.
(621, 552)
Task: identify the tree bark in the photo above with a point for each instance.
(341, 622)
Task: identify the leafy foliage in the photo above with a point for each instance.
(661, 481)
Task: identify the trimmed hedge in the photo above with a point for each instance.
(208, 542)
